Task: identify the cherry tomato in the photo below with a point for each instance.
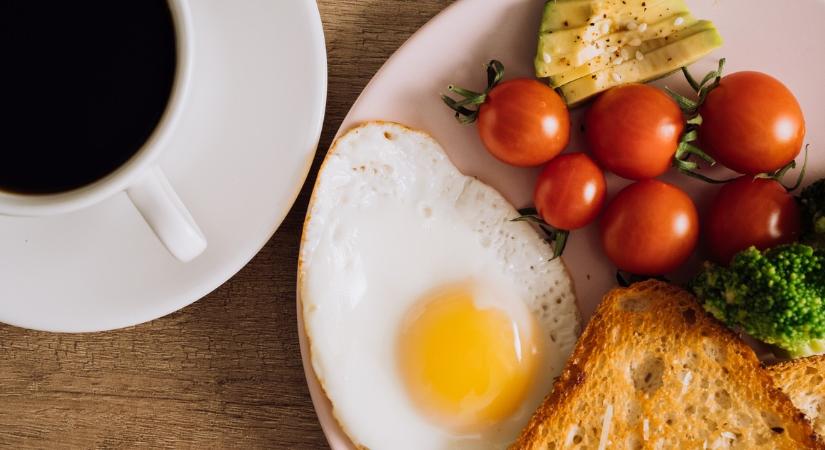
(633, 131)
(649, 228)
(749, 212)
(524, 122)
(751, 123)
(570, 191)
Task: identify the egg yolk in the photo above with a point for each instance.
(466, 367)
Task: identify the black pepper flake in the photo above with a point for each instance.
(778, 430)
(593, 76)
(592, 24)
(644, 4)
(669, 59)
(565, 23)
(604, 16)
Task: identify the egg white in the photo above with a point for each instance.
(390, 219)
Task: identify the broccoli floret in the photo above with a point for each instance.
(812, 201)
(777, 296)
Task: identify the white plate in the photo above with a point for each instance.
(788, 43)
(242, 150)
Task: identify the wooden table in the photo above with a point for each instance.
(226, 371)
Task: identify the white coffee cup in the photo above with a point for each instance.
(140, 176)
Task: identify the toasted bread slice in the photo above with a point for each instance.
(653, 371)
(804, 381)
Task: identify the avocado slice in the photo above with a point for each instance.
(559, 55)
(603, 22)
(566, 14)
(656, 64)
(607, 59)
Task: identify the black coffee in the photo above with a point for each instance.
(83, 84)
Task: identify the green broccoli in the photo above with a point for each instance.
(812, 201)
(777, 296)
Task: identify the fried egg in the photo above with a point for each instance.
(434, 320)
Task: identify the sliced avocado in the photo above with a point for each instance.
(566, 14)
(656, 64)
(607, 59)
(555, 56)
(565, 41)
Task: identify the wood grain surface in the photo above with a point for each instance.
(225, 371)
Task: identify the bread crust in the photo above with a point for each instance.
(803, 380)
(662, 330)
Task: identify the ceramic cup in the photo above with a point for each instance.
(140, 177)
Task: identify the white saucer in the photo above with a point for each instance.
(242, 150)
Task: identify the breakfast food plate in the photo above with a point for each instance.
(237, 157)
(455, 46)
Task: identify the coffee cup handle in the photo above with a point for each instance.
(166, 214)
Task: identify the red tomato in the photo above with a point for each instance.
(570, 191)
(749, 212)
(633, 131)
(524, 122)
(752, 123)
(649, 228)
